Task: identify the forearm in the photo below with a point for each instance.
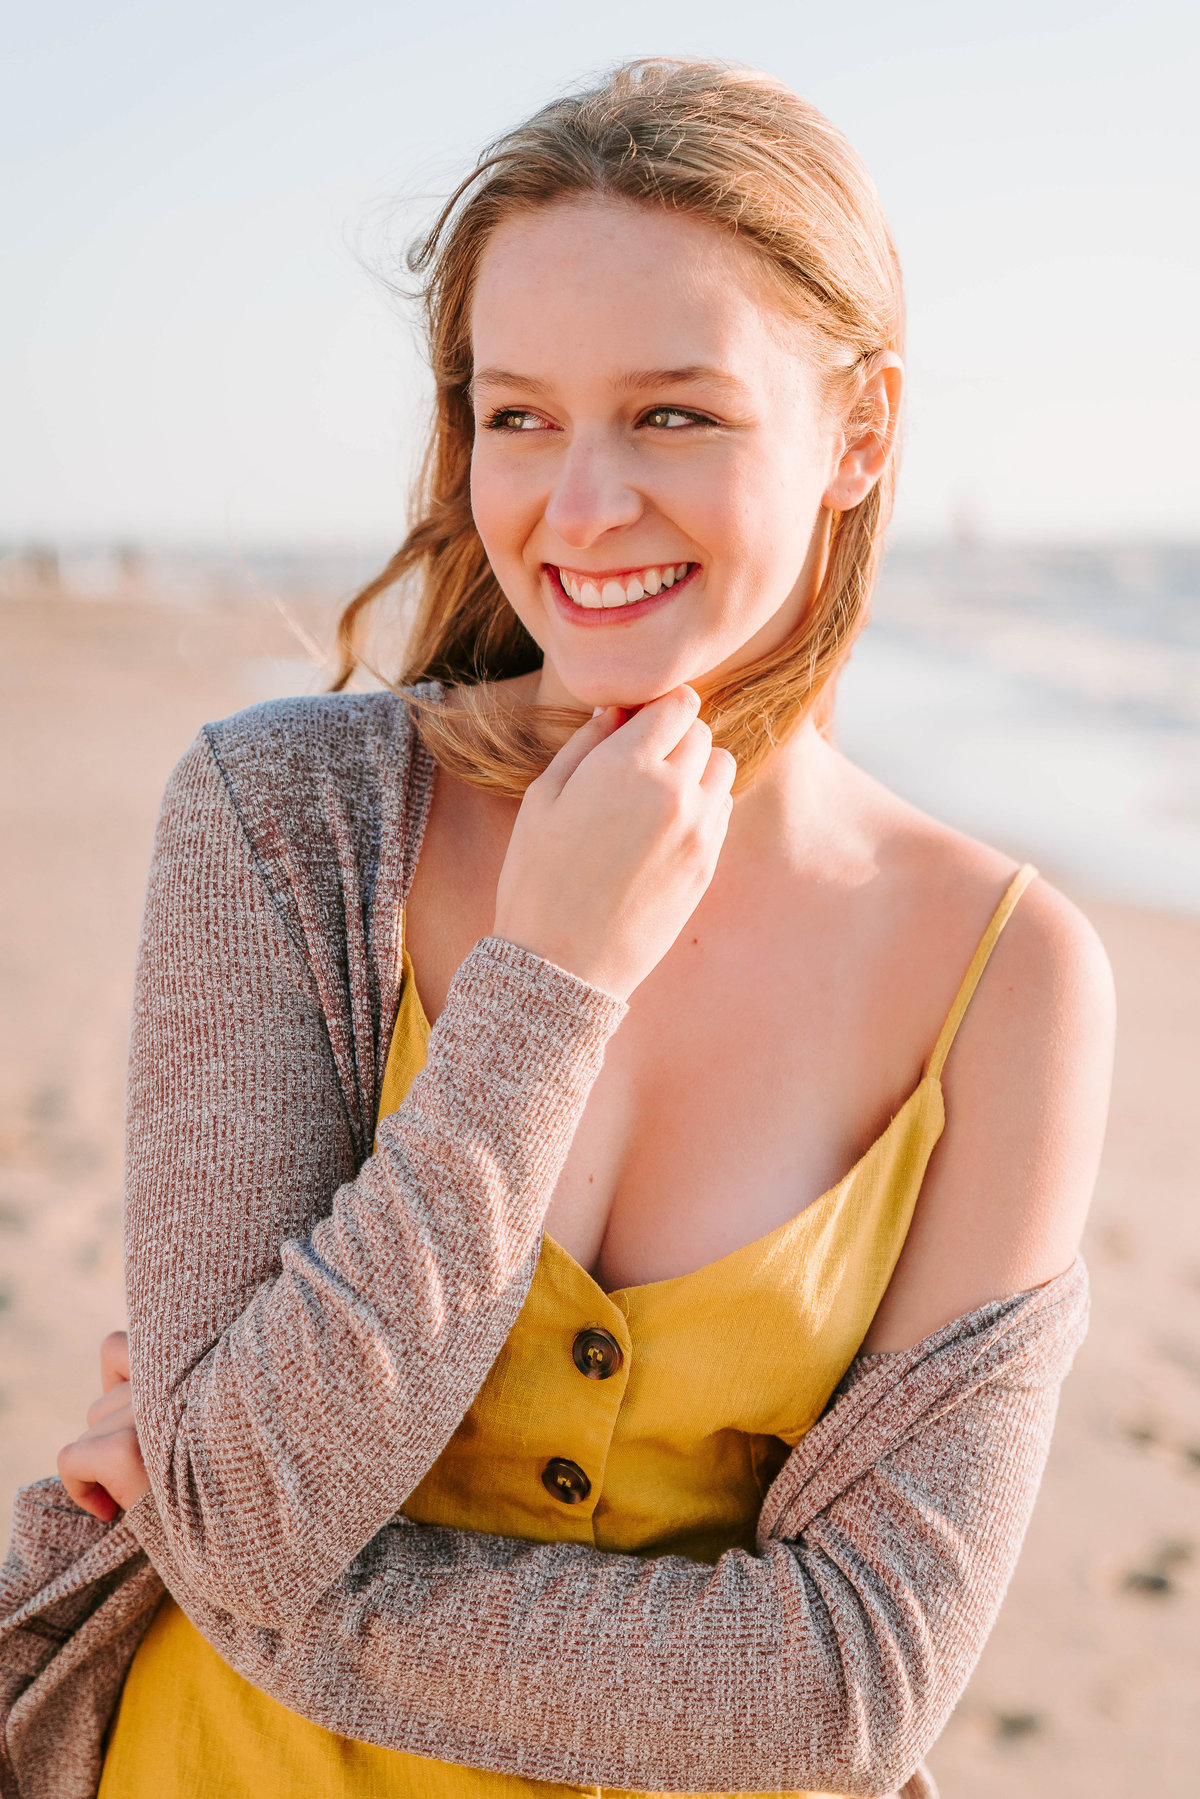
(295, 1374)
(830, 1661)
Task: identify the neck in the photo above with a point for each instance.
(788, 811)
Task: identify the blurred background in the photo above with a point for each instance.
(212, 402)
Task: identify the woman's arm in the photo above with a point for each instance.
(829, 1661)
(1006, 1193)
(832, 1659)
(304, 1340)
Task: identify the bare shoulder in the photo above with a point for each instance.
(1025, 1088)
(1048, 987)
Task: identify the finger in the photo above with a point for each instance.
(99, 1502)
(690, 756)
(88, 1494)
(719, 775)
(111, 1405)
(114, 1359)
(658, 727)
(580, 744)
(108, 1458)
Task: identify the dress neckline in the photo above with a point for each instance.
(930, 1082)
(756, 1244)
(813, 1211)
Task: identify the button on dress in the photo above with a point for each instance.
(650, 1420)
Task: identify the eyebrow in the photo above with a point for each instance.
(633, 381)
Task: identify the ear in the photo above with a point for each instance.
(869, 432)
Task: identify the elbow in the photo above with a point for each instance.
(243, 1605)
(226, 1540)
(856, 1764)
(889, 1746)
(202, 1591)
(890, 1771)
(242, 1588)
(889, 1725)
(246, 1607)
(884, 1763)
(234, 1582)
(855, 1717)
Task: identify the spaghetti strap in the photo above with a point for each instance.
(979, 962)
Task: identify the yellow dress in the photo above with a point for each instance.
(648, 1420)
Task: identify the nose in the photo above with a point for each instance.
(592, 492)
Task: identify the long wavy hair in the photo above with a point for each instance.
(722, 144)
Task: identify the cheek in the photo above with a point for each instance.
(711, 499)
(757, 520)
(500, 503)
(788, 493)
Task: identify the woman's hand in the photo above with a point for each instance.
(616, 842)
(103, 1469)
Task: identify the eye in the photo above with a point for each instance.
(513, 418)
(673, 418)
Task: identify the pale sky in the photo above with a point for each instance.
(190, 349)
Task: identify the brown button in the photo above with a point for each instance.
(596, 1354)
(566, 1480)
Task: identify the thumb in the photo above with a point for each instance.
(603, 722)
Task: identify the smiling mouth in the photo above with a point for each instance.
(606, 592)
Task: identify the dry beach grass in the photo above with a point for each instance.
(1089, 1688)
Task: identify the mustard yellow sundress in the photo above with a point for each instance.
(649, 1420)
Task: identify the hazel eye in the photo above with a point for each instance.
(671, 418)
(513, 418)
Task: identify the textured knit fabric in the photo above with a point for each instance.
(717, 1374)
(310, 1323)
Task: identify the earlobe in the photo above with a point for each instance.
(870, 433)
(851, 485)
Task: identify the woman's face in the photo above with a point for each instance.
(651, 451)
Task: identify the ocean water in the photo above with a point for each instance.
(1047, 700)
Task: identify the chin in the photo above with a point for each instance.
(636, 690)
(630, 680)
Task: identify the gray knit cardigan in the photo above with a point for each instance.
(309, 1322)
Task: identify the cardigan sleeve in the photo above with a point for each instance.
(828, 1661)
(304, 1339)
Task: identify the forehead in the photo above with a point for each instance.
(610, 285)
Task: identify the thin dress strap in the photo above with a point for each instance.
(979, 962)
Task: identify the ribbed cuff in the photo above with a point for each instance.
(515, 1051)
(534, 994)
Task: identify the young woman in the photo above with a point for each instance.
(736, 1121)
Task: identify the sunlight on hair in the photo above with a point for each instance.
(745, 154)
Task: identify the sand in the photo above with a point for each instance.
(1090, 1685)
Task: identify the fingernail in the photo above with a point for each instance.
(596, 711)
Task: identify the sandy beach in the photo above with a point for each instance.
(1089, 1686)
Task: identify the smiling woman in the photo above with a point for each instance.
(683, 424)
(605, 1176)
(686, 273)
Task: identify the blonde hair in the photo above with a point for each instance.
(743, 152)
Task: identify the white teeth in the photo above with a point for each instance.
(625, 592)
